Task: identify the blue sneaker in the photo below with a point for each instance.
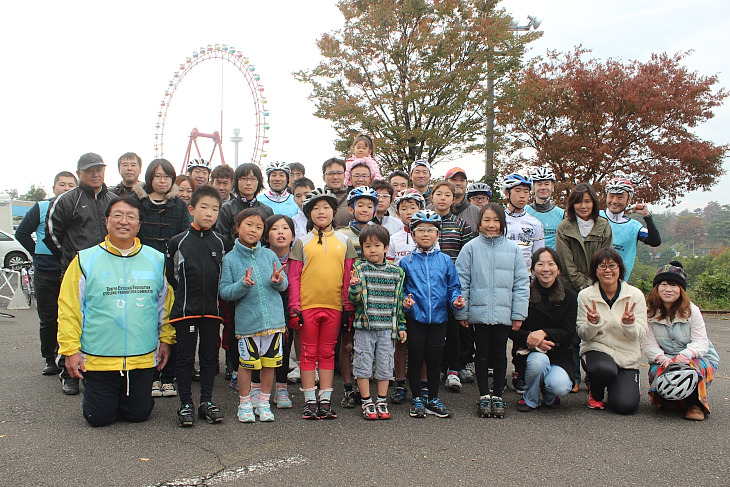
(399, 394)
(437, 408)
(418, 408)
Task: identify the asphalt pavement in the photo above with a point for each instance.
(44, 440)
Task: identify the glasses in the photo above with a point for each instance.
(383, 195)
(249, 179)
(334, 173)
(117, 217)
(157, 177)
(425, 230)
(612, 266)
(480, 198)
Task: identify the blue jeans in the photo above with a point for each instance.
(552, 380)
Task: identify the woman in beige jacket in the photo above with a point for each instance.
(611, 323)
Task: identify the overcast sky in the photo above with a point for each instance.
(89, 76)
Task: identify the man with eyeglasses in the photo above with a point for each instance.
(75, 222)
(333, 174)
(130, 167)
(111, 316)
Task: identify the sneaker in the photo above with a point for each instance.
(325, 411)
(167, 389)
(484, 406)
(310, 410)
(523, 407)
(399, 394)
(156, 388)
(382, 409)
(418, 408)
(498, 407)
(264, 412)
(467, 375)
(294, 376)
(245, 413)
(694, 413)
(368, 411)
(593, 404)
(70, 386)
(282, 399)
(453, 383)
(518, 383)
(348, 400)
(437, 408)
(186, 415)
(233, 384)
(210, 412)
(51, 368)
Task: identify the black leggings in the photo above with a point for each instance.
(452, 350)
(186, 332)
(425, 344)
(622, 384)
(491, 349)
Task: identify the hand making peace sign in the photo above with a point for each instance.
(247, 277)
(628, 317)
(276, 275)
(592, 316)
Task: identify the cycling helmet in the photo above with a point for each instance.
(277, 166)
(620, 185)
(515, 179)
(425, 216)
(362, 192)
(478, 188)
(543, 173)
(410, 194)
(193, 163)
(318, 194)
(677, 382)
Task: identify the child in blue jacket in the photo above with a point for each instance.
(431, 286)
(496, 287)
(253, 278)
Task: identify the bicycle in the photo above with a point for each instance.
(27, 283)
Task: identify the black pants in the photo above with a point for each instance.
(112, 394)
(450, 359)
(186, 332)
(425, 344)
(47, 287)
(491, 349)
(466, 346)
(622, 384)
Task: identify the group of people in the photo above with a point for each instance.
(396, 278)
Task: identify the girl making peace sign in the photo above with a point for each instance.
(611, 324)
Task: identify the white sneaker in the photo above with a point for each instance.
(295, 375)
(245, 413)
(264, 412)
(157, 389)
(168, 390)
(453, 383)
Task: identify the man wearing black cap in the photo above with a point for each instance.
(75, 222)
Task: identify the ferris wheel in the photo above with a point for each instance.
(248, 70)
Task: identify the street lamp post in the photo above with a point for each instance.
(236, 139)
(533, 23)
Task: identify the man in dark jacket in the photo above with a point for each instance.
(75, 222)
(130, 167)
(47, 269)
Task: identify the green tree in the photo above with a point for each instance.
(413, 73)
(35, 193)
(13, 193)
(590, 120)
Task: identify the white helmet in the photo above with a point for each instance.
(620, 185)
(277, 166)
(677, 382)
(515, 179)
(193, 163)
(544, 173)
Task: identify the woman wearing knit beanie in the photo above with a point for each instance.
(682, 358)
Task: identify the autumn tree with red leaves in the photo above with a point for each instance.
(413, 73)
(591, 120)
